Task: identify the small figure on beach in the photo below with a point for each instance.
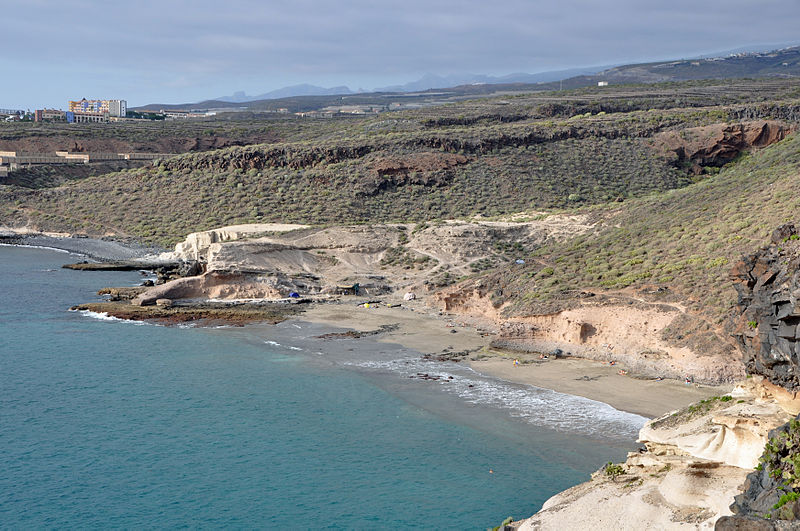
(516, 362)
(622, 372)
(612, 363)
(543, 357)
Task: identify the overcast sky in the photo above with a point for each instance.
(176, 51)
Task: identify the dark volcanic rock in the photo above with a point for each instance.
(744, 523)
(106, 266)
(768, 284)
(783, 232)
(768, 330)
(762, 492)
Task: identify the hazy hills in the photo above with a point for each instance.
(431, 81)
(286, 92)
(426, 82)
(432, 89)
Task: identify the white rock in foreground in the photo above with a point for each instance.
(695, 463)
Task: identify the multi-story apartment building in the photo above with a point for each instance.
(111, 107)
(117, 108)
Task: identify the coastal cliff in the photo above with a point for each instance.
(729, 462)
(768, 285)
(693, 463)
(650, 338)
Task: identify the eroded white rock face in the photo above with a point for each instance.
(196, 244)
(674, 493)
(220, 286)
(734, 435)
(696, 461)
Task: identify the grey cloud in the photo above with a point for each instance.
(267, 44)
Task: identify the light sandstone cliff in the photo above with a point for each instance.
(196, 245)
(608, 327)
(695, 462)
(313, 260)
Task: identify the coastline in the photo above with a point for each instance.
(423, 330)
(103, 250)
(449, 337)
(599, 381)
(238, 416)
(442, 337)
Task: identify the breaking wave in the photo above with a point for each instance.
(103, 316)
(276, 344)
(542, 407)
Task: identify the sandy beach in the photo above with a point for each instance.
(599, 381)
(425, 331)
(419, 328)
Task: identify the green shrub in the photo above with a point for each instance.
(613, 471)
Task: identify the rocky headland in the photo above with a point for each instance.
(275, 261)
(692, 464)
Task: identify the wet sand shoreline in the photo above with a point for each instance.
(429, 333)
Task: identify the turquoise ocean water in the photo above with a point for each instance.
(114, 424)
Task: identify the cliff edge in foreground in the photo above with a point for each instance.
(694, 462)
(729, 462)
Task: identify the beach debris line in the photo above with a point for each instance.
(431, 377)
(448, 354)
(356, 334)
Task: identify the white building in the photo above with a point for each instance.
(117, 108)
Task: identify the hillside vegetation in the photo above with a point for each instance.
(682, 241)
(491, 157)
(169, 136)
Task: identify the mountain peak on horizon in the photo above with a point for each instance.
(302, 89)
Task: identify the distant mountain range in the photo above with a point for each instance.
(285, 92)
(426, 82)
(436, 89)
(431, 81)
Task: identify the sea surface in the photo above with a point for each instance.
(105, 423)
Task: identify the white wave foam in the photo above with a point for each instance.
(276, 344)
(42, 247)
(103, 316)
(543, 407)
